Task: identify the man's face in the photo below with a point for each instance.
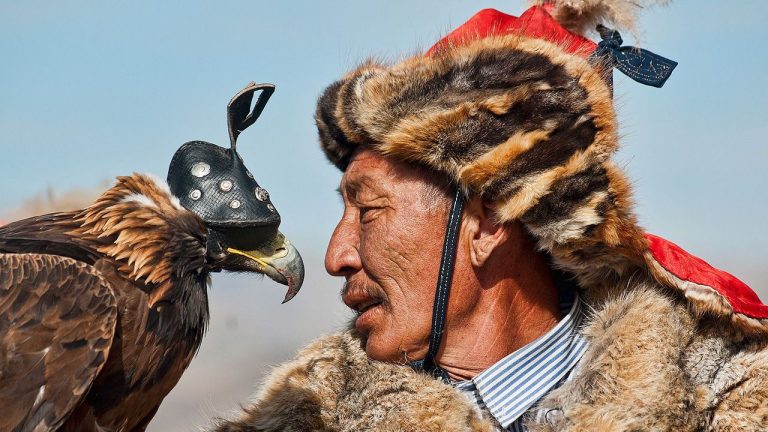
(387, 245)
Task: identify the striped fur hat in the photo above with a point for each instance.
(519, 111)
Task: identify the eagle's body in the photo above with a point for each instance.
(101, 310)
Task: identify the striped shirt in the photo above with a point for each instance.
(513, 385)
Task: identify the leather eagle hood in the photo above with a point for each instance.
(213, 182)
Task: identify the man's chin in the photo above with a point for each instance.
(379, 347)
(376, 347)
(376, 350)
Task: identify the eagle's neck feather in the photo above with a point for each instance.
(142, 226)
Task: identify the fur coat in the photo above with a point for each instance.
(652, 364)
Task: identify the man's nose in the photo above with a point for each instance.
(343, 257)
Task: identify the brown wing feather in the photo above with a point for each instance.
(57, 320)
(47, 234)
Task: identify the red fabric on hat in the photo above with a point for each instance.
(693, 269)
(536, 22)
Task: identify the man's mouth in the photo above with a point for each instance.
(368, 313)
(362, 307)
(364, 299)
(361, 298)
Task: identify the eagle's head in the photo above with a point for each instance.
(213, 183)
(157, 240)
(242, 223)
(209, 216)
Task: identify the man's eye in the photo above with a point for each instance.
(367, 213)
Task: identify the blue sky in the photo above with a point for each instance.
(94, 89)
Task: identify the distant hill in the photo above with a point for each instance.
(52, 201)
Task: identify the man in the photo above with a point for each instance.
(491, 253)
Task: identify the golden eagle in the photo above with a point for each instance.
(102, 309)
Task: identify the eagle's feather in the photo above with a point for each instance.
(57, 321)
(101, 310)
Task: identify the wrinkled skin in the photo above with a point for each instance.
(387, 245)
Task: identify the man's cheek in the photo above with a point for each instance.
(402, 262)
(379, 256)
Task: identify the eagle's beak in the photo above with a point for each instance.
(280, 261)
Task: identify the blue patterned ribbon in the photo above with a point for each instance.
(641, 65)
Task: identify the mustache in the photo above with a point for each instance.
(373, 291)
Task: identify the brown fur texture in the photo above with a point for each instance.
(652, 364)
(524, 125)
(333, 386)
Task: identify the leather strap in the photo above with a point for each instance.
(442, 292)
(239, 112)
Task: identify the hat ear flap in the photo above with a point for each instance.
(710, 290)
(239, 112)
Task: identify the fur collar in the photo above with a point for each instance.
(652, 364)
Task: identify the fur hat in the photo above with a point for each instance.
(517, 111)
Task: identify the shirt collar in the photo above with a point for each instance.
(515, 383)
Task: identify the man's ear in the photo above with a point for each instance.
(484, 233)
